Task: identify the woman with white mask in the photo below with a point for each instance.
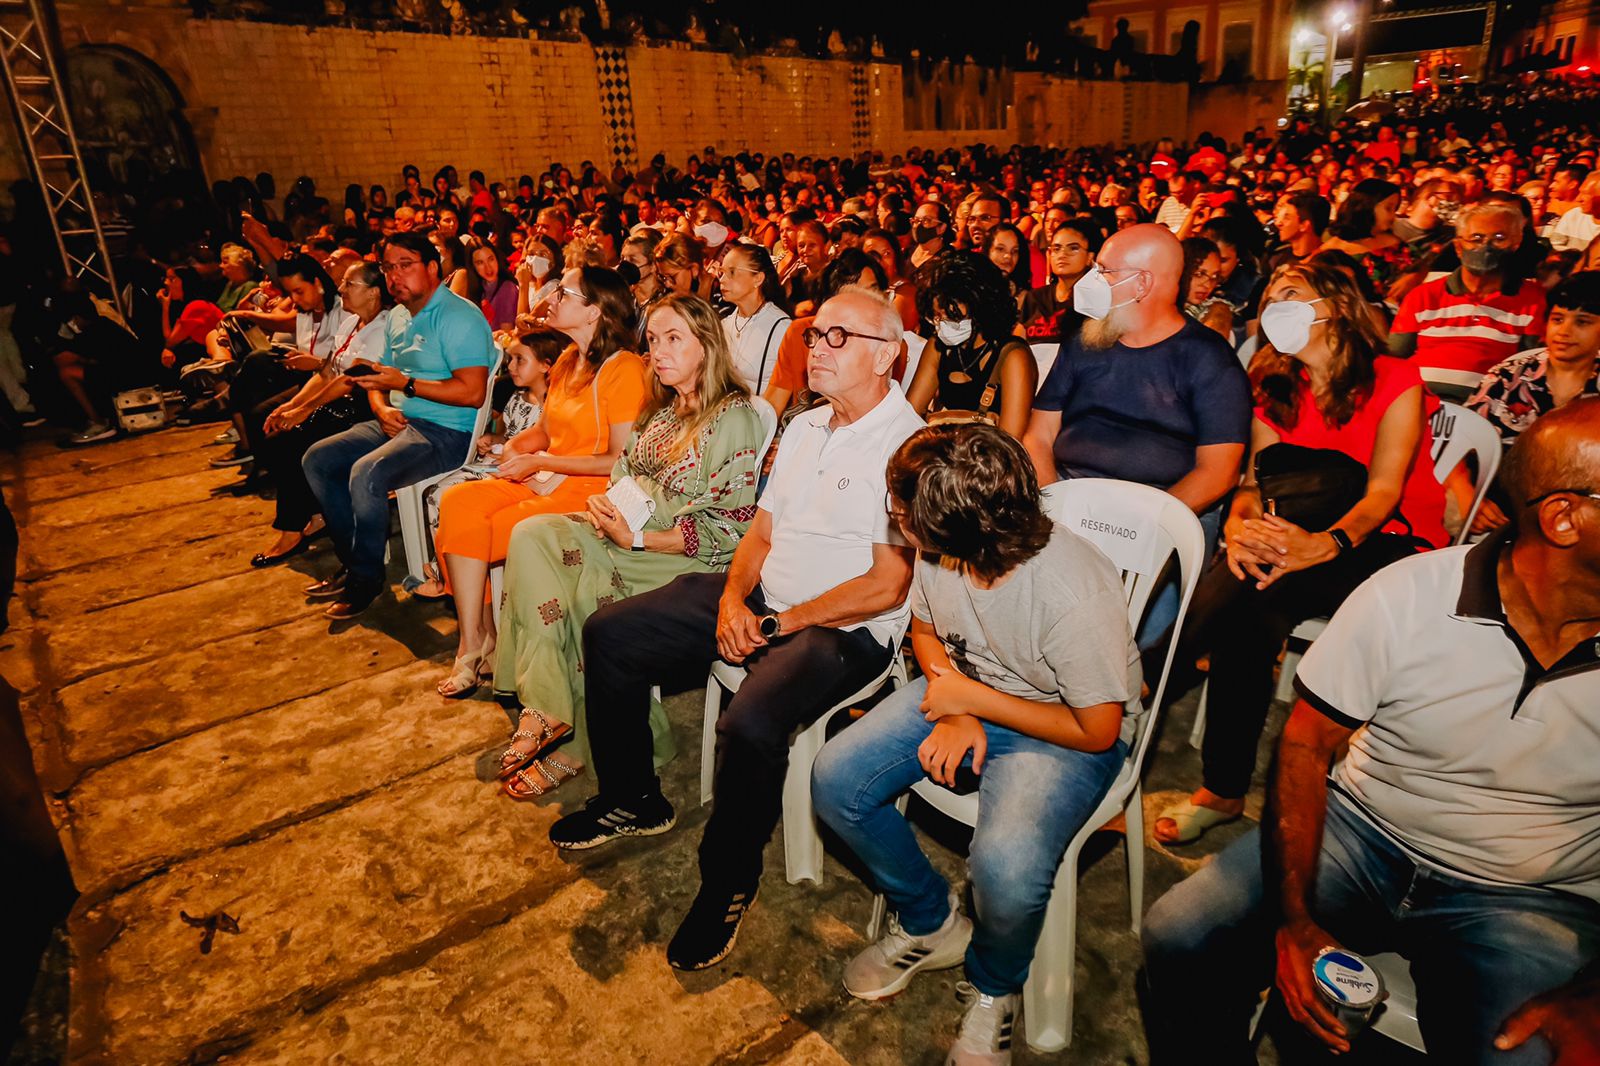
(1338, 485)
(975, 367)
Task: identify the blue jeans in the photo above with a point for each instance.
(1477, 952)
(1163, 609)
(352, 474)
(1034, 797)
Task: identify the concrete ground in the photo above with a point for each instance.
(210, 744)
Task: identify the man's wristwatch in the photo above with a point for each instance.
(770, 625)
(1341, 540)
(411, 387)
(638, 540)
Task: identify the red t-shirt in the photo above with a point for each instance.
(1422, 498)
(1460, 330)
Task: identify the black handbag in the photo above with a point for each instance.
(1311, 487)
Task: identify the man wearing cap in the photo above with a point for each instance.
(1461, 830)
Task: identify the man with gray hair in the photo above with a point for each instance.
(812, 606)
(1481, 312)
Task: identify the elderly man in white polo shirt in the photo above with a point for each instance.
(1462, 829)
(812, 606)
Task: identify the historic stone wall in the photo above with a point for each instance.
(346, 105)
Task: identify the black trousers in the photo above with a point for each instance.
(280, 456)
(1244, 629)
(261, 384)
(636, 642)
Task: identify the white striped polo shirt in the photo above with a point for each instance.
(1462, 330)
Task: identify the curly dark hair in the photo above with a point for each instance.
(1356, 338)
(967, 285)
(968, 491)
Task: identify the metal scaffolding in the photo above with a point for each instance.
(35, 87)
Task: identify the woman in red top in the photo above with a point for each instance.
(1320, 382)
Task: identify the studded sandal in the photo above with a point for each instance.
(547, 736)
(539, 777)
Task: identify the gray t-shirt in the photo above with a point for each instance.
(1054, 631)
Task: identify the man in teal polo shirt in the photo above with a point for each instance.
(425, 394)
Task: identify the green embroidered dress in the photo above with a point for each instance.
(559, 570)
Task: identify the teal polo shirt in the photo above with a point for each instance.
(448, 334)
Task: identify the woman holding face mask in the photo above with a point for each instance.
(974, 368)
(1338, 486)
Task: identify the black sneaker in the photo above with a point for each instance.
(709, 929)
(602, 819)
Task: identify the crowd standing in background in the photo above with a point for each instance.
(782, 410)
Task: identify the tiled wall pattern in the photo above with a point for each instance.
(346, 105)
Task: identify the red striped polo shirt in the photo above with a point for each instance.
(1461, 330)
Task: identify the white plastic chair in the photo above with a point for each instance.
(1045, 356)
(408, 498)
(802, 843)
(1456, 431)
(916, 344)
(1047, 997)
(1248, 349)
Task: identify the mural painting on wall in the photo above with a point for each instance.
(944, 95)
(126, 115)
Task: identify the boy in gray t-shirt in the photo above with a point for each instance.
(1022, 634)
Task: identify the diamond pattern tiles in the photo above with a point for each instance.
(616, 104)
(860, 108)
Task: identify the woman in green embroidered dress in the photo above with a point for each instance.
(693, 457)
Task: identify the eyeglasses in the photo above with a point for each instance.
(836, 336)
(395, 268)
(1581, 493)
(1207, 275)
(888, 505)
(562, 292)
(1478, 240)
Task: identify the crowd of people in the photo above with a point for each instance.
(1263, 330)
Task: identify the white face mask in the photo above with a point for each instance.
(954, 334)
(1287, 324)
(1091, 296)
(713, 233)
(540, 265)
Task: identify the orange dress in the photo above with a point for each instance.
(476, 517)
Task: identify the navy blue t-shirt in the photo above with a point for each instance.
(1139, 413)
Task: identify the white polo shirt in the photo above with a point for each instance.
(1475, 759)
(826, 498)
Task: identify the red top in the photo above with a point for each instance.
(1422, 498)
(1459, 330)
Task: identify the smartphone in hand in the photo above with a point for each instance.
(360, 370)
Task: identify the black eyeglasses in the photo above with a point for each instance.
(1583, 493)
(836, 336)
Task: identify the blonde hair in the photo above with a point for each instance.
(237, 254)
(718, 387)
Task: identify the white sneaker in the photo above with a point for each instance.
(888, 966)
(227, 436)
(985, 1038)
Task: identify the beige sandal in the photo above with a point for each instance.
(547, 735)
(552, 771)
(1192, 821)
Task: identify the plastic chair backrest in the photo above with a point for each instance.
(480, 424)
(769, 428)
(1178, 538)
(1456, 432)
(1045, 356)
(1248, 349)
(915, 345)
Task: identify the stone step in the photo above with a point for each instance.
(535, 990)
(124, 500)
(42, 457)
(194, 459)
(46, 550)
(371, 888)
(242, 778)
(121, 711)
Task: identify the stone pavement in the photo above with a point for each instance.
(210, 743)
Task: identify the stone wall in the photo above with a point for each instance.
(346, 105)
(1232, 110)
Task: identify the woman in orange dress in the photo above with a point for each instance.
(595, 392)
